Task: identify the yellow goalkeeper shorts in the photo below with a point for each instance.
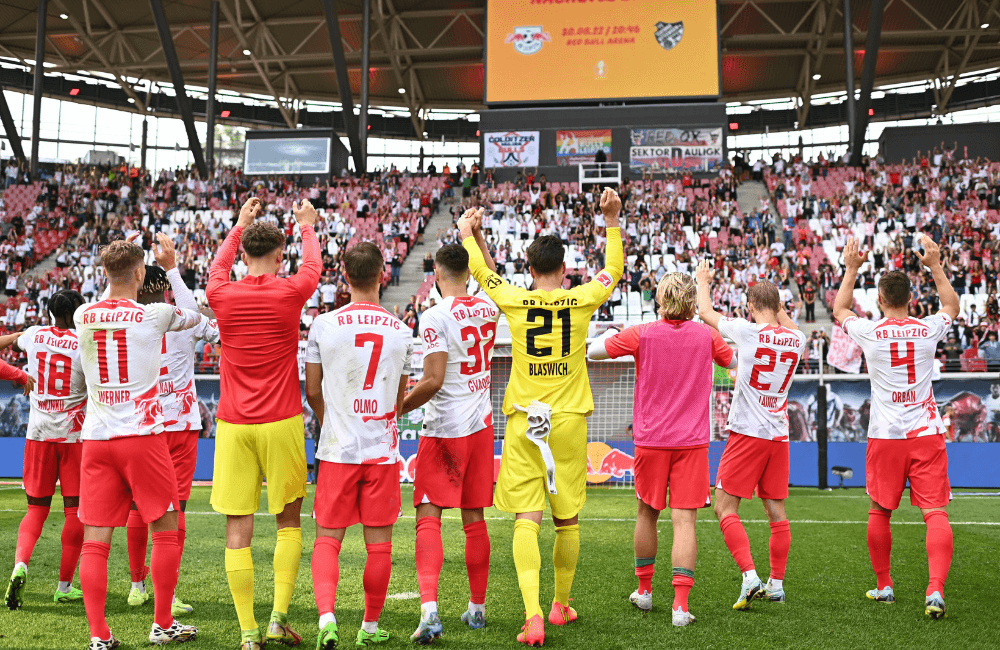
(521, 484)
(247, 453)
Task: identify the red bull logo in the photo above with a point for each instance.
(604, 463)
(148, 407)
(528, 40)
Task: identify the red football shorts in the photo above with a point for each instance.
(114, 473)
(455, 472)
(750, 463)
(922, 460)
(351, 494)
(682, 471)
(45, 462)
(184, 452)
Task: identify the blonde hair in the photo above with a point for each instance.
(677, 296)
(120, 258)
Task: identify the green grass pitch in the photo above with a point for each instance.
(828, 573)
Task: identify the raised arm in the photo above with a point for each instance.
(477, 232)
(844, 302)
(932, 260)
(218, 275)
(308, 274)
(164, 255)
(614, 254)
(785, 321)
(706, 310)
(495, 287)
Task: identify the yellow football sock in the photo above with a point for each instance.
(565, 553)
(239, 570)
(287, 553)
(528, 563)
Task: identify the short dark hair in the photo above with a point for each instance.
(452, 260)
(261, 238)
(546, 254)
(63, 304)
(894, 289)
(764, 295)
(156, 281)
(363, 264)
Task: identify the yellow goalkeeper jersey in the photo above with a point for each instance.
(549, 332)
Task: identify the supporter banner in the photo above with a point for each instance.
(575, 147)
(844, 354)
(547, 50)
(511, 149)
(697, 150)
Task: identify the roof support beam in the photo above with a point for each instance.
(392, 45)
(343, 85)
(39, 89)
(970, 46)
(10, 129)
(177, 78)
(867, 81)
(213, 50)
(823, 23)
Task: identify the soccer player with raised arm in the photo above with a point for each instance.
(126, 458)
(357, 366)
(58, 395)
(181, 417)
(259, 430)
(756, 456)
(454, 465)
(905, 432)
(547, 403)
(671, 422)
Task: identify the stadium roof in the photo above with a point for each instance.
(433, 49)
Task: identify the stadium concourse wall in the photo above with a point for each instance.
(966, 397)
(620, 120)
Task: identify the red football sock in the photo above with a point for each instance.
(477, 560)
(880, 545)
(781, 540)
(737, 541)
(138, 538)
(940, 546)
(326, 573)
(378, 568)
(645, 575)
(683, 580)
(94, 582)
(181, 532)
(72, 542)
(29, 532)
(430, 557)
(166, 558)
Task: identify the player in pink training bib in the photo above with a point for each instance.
(756, 456)
(906, 432)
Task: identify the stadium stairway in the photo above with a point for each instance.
(748, 196)
(411, 275)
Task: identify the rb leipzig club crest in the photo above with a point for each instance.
(528, 40)
(668, 35)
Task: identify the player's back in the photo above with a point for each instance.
(60, 395)
(767, 356)
(465, 328)
(901, 355)
(177, 389)
(364, 350)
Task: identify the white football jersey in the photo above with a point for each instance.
(900, 354)
(767, 356)
(59, 400)
(464, 328)
(364, 351)
(178, 395)
(120, 349)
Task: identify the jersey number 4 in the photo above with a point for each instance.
(102, 338)
(909, 360)
(546, 328)
(59, 370)
(791, 358)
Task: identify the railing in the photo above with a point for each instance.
(607, 173)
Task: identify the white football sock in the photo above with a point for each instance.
(64, 587)
(19, 565)
(473, 607)
(141, 586)
(775, 584)
(369, 627)
(326, 619)
(750, 576)
(428, 608)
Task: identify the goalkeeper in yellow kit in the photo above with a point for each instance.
(549, 393)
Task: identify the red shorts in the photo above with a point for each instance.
(683, 471)
(45, 462)
(184, 452)
(923, 460)
(455, 472)
(351, 494)
(114, 473)
(750, 463)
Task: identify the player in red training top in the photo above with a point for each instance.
(756, 457)
(905, 431)
(181, 417)
(671, 426)
(357, 366)
(259, 429)
(125, 459)
(454, 465)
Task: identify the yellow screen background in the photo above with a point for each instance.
(559, 71)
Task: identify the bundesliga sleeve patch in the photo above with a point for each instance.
(605, 279)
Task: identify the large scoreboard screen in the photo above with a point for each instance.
(565, 50)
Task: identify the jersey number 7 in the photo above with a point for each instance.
(376, 340)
